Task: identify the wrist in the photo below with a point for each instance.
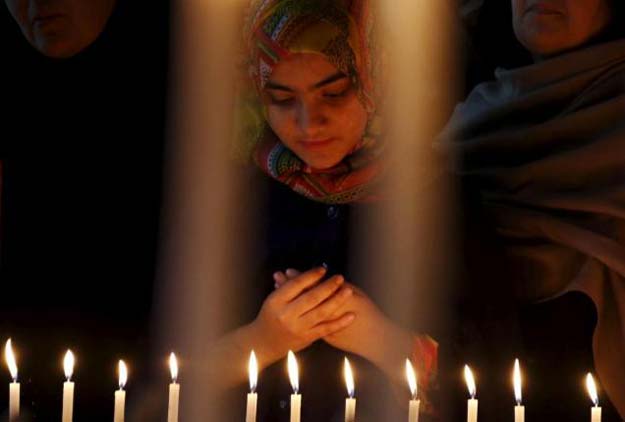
(255, 338)
(395, 346)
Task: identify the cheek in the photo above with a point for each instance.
(517, 12)
(19, 11)
(517, 8)
(354, 120)
(589, 16)
(281, 121)
(92, 15)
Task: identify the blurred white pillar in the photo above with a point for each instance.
(197, 260)
(406, 253)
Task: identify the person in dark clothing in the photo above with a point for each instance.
(80, 159)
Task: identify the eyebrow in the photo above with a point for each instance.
(332, 78)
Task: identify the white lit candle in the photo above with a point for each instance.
(252, 397)
(413, 410)
(174, 390)
(296, 398)
(350, 402)
(472, 403)
(595, 411)
(120, 395)
(519, 409)
(68, 387)
(14, 387)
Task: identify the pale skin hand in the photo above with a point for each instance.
(372, 335)
(304, 310)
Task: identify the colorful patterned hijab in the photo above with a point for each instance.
(340, 30)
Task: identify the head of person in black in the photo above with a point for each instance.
(567, 63)
(61, 28)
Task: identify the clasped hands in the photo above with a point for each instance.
(305, 308)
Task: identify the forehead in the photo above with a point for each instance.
(302, 70)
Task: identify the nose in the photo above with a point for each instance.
(311, 118)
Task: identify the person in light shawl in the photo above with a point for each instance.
(543, 148)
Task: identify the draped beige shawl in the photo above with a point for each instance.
(545, 144)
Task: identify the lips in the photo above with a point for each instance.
(543, 7)
(314, 143)
(45, 18)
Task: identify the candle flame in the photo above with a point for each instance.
(173, 367)
(592, 389)
(68, 364)
(123, 374)
(468, 376)
(293, 371)
(9, 356)
(252, 370)
(349, 378)
(412, 378)
(516, 381)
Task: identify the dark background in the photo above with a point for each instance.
(81, 143)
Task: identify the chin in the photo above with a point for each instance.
(321, 163)
(59, 51)
(57, 46)
(545, 43)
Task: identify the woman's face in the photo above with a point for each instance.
(61, 28)
(314, 109)
(549, 27)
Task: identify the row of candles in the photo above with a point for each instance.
(252, 397)
(413, 405)
(68, 388)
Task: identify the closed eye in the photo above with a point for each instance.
(338, 89)
(281, 100)
(337, 94)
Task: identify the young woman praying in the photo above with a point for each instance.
(311, 124)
